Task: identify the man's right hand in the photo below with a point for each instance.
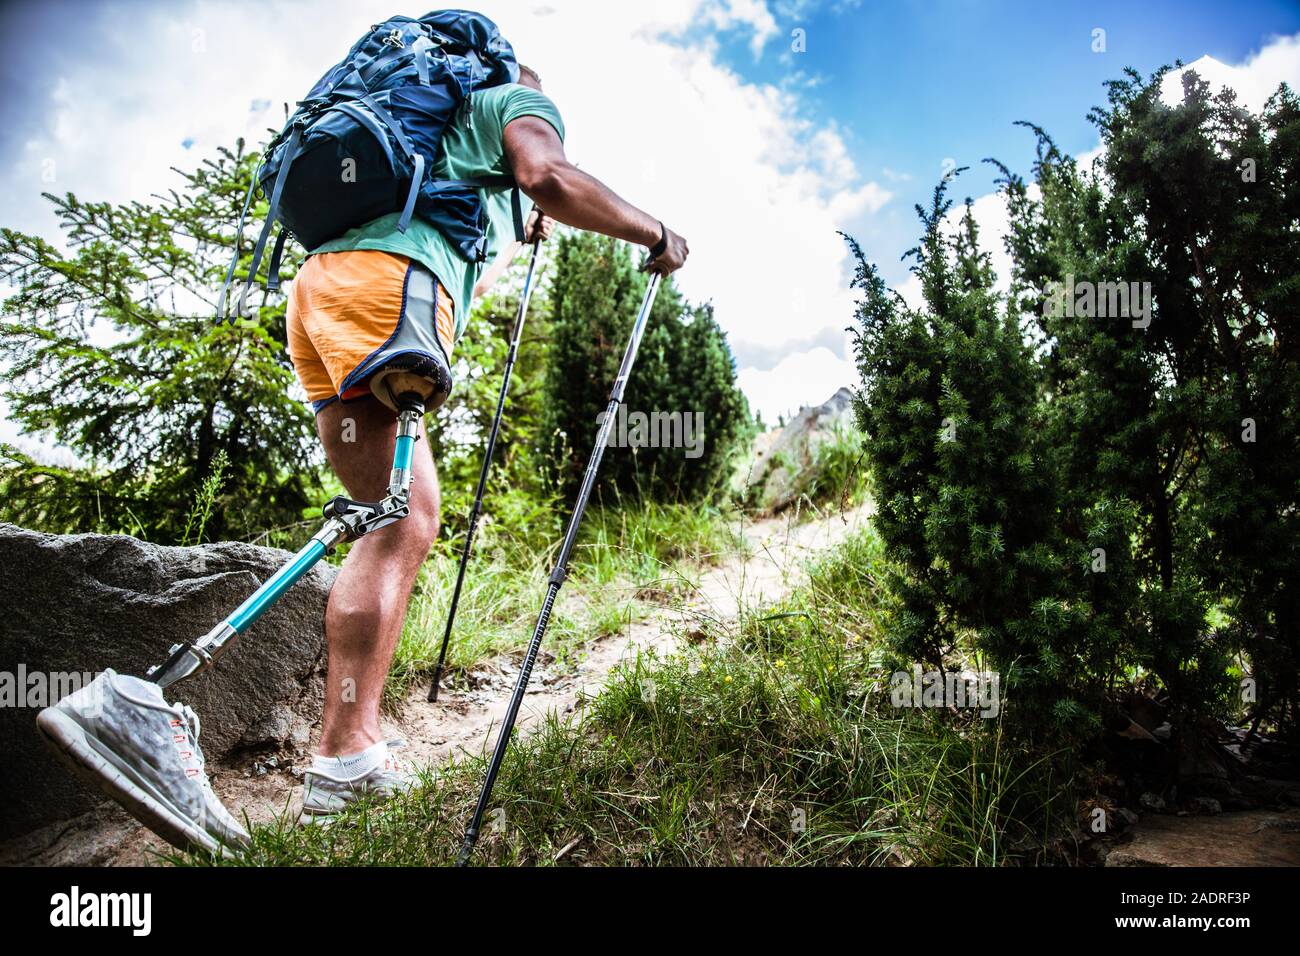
(672, 258)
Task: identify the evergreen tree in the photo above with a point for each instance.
(965, 505)
(112, 350)
(684, 367)
(1113, 493)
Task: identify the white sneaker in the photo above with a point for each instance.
(120, 735)
(325, 795)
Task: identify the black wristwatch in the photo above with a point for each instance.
(658, 248)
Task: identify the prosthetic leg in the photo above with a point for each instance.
(345, 520)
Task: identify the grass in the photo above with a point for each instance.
(630, 550)
(769, 742)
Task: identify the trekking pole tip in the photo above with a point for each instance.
(433, 688)
(466, 850)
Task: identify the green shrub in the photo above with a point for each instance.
(1075, 494)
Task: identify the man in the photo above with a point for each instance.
(354, 297)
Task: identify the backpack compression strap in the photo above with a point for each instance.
(500, 182)
(290, 152)
(414, 155)
(239, 231)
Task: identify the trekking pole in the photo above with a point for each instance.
(477, 509)
(560, 571)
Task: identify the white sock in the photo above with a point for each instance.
(352, 766)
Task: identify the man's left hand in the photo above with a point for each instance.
(538, 226)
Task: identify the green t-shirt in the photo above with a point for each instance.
(467, 151)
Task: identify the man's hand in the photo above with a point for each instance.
(672, 258)
(538, 226)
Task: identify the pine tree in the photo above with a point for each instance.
(1114, 491)
(112, 350)
(965, 506)
(683, 367)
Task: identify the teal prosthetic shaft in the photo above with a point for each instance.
(345, 520)
(402, 453)
(276, 585)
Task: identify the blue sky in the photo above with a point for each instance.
(912, 82)
(697, 110)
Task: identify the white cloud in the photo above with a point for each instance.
(910, 290)
(802, 378)
(758, 189)
(1253, 81)
(751, 14)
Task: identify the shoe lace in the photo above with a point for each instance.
(394, 762)
(185, 735)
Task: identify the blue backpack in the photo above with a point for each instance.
(362, 144)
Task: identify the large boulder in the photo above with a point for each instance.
(785, 459)
(75, 604)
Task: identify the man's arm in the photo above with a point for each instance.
(536, 156)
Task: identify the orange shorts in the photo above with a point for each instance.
(350, 313)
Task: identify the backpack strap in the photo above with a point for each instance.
(273, 270)
(234, 259)
(419, 48)
(411, 194)
(286, 160)
(500, 182)
(414, 155)
(517, 211)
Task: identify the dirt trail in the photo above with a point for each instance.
(464, 721)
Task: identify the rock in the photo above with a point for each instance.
(94, 838)
(1152, 802)
(785, 459)
(75, 604)
(1135, 731)
(1147, 711)
(271, 729)
(1253, 838)
(300, 733)
(1128, 817)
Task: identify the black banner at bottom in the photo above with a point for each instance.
(136, 905)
